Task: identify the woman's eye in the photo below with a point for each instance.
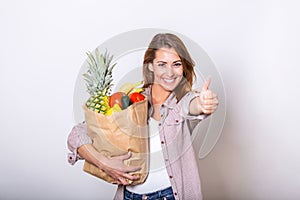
(177, 64)
(161, 64)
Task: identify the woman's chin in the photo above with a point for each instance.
(169, 88)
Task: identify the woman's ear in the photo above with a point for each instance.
(150, 67)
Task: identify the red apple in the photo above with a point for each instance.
(116, 98)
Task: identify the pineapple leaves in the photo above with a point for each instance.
(91, 59)
(99, 74)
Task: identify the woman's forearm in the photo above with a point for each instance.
(113, 166)
(90, 154)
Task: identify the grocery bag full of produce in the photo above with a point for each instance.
(116, 123)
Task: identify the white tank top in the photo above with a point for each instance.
(158, 178)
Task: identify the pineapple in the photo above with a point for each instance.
(99, 81)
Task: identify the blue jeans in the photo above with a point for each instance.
(166, 194)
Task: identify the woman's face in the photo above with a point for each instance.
(167, 68)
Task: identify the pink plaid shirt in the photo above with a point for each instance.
(175, 128)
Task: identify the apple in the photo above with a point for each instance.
(116, 98)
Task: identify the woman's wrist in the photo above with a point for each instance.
(195, 106)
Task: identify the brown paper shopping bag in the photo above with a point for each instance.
(118, 134)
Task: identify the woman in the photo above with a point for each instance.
(174, 111)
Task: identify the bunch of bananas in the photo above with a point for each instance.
(129, 88)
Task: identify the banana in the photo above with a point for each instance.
(136, 90)
(128, 87)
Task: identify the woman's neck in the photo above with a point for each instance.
(158, 94)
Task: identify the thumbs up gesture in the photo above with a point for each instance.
(207, 102)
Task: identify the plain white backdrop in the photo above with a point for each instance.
(255, 45)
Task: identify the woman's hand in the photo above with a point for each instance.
(113, 166)
(206, 103)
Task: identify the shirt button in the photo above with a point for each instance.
(162, 142)
(176, 120)
(159, 124)
(175, 193)
(171, 176)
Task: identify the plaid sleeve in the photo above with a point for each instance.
(77, 137)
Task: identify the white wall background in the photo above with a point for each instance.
(255, 45)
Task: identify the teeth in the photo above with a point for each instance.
(168, 80)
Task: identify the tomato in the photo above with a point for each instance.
(116, 98)
(136, 97)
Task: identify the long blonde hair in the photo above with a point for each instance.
(168, 40)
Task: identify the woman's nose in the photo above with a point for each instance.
(169, 70)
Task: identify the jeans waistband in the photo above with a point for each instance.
(165, 193)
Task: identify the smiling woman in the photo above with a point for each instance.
(174, 111)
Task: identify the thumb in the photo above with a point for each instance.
(206, 83)
(125, 156)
